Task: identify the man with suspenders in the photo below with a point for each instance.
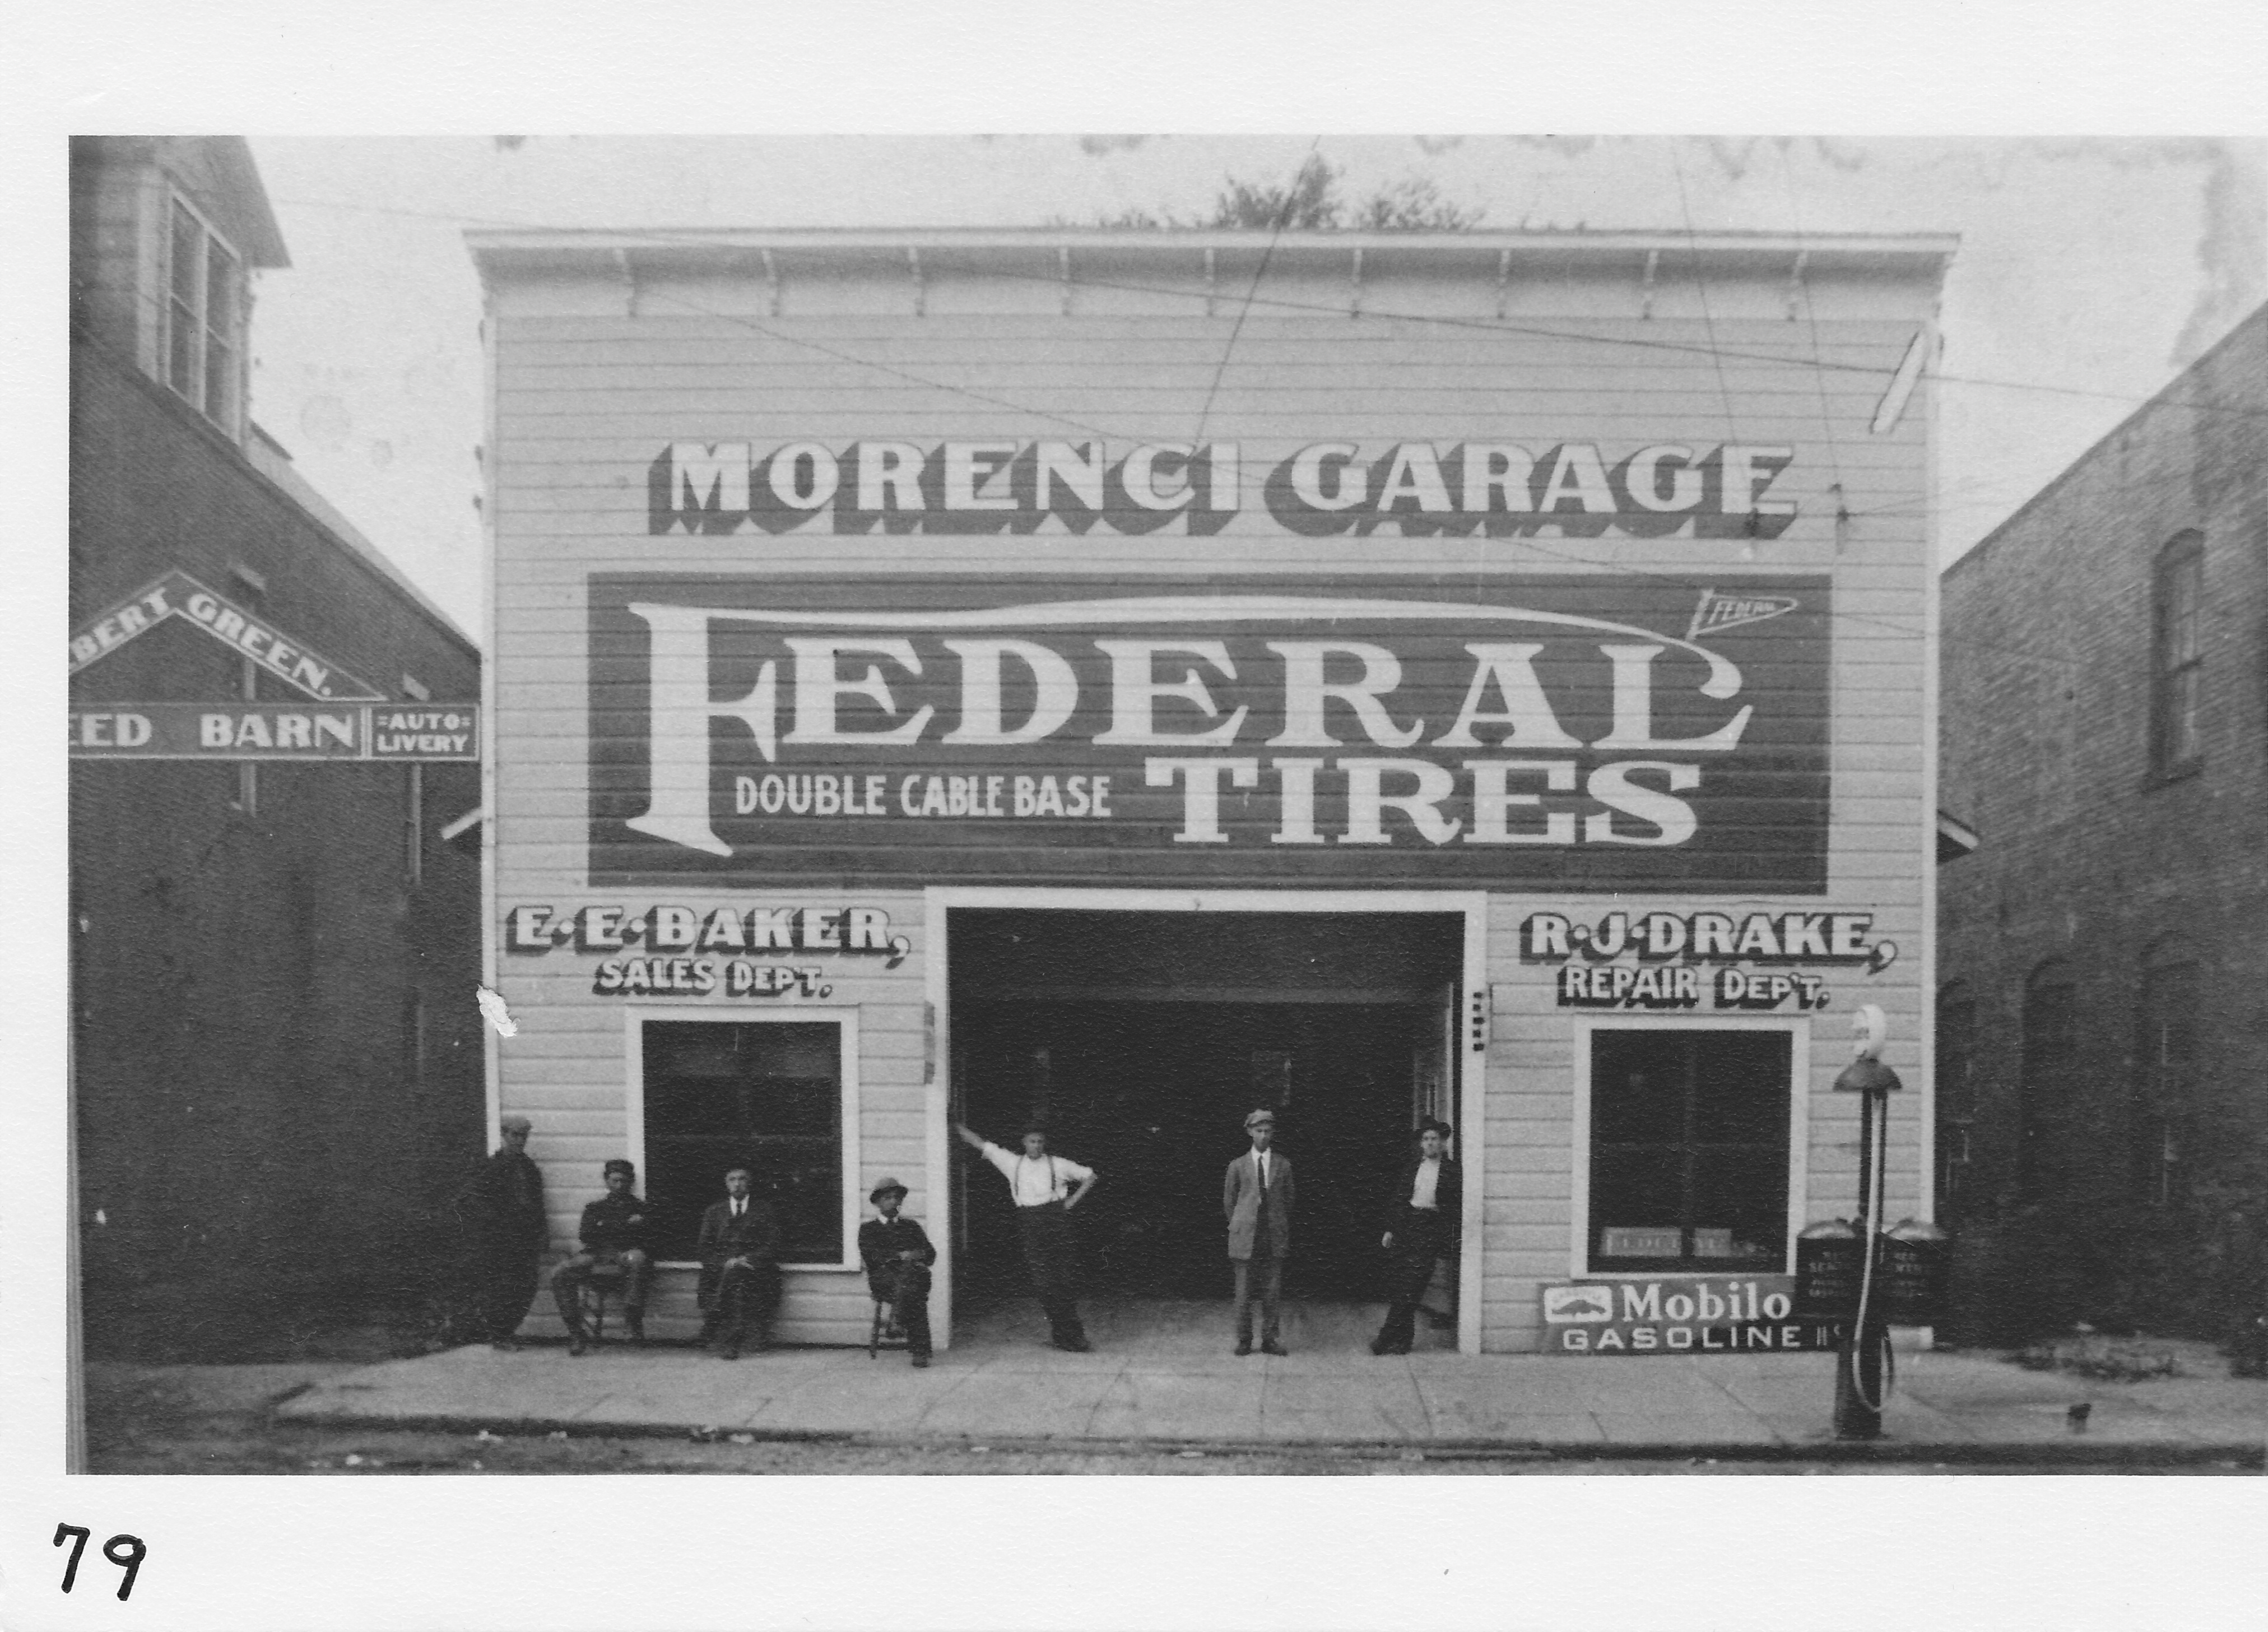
(1041, 1185)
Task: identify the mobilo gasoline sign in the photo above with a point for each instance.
(1680, 1315)
(1584, 732)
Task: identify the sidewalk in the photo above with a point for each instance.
(1945, 1407)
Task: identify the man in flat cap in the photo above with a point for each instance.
(501, 1211)
(739, 1283)
(614, 1233)
(1040, 1184)
(1256, 1196)
(1423, 1213)
(897, 1253)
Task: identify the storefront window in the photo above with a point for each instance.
(763, 1095)
(1689, 1149)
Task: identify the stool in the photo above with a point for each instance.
(603, 1280)
(886, 1333)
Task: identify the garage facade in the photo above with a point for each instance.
(1127, 678)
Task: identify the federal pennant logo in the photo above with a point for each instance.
(1719, 611)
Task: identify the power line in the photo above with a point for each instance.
(664, 237)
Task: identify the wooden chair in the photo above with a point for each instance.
(886, 1333)
(605, 1281)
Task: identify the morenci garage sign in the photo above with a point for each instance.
(1578, 489)
(1588, 732)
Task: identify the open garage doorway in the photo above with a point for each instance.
(1143, 1038)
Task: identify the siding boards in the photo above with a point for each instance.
(585, 402)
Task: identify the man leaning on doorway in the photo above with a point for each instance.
(1040, 1184)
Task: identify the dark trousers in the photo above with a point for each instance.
(1419, 1240)
(1051, 1255)
(746, 1295)
(504, 1290)
(567, 1283)
(905, 1288)
(1262, 1277)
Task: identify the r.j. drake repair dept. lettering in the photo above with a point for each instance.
(1576, 489)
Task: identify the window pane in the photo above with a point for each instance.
(763, 1096)
(1689, 1151)
(184, 265)
(220, 382)
(1637, 1088)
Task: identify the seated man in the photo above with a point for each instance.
(739, 1267)
(614, 1232)
(897, 1254)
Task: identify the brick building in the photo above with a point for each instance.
(275, 1055)
(2102, 1023)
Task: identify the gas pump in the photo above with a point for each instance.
(1863, 1358)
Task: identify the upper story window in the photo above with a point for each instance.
(204, 317)
(2045, 1093)
(2176, 741)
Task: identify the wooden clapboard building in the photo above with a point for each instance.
(273, 1047)
(1129, 678)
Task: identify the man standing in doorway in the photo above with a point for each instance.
(1039, 1185)
(501, 1211)
(1422, 1225)
(1256, 1196)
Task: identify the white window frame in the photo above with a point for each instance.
(1799, 1126)
(845, 1019)
(196, 398)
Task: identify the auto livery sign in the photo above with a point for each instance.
(1680, 1315)
(408, 732)
(1588, 732)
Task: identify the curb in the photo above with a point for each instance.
(2251, 1455)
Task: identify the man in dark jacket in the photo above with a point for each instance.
(739, 1267)
(1423, 1218)
(614, 1233)
(501, 1212)
(897, 1254)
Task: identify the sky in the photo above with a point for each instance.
(2090, 270)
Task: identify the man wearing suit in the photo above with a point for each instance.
(897, 1254)
(1256, 1196)
(1423, 1214)
(501, 1211)
(739, 1280)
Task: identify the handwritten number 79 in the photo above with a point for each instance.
(126, 1552)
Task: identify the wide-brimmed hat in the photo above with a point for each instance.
(885, 1188)
(1262, 1115)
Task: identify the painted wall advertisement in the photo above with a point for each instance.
(1681, 1315)
(1571, 732)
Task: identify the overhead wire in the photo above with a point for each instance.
(663, 238)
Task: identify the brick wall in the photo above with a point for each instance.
(254, 1129)
(2087, 858)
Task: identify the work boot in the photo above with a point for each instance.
(1271, 1346)
(579, 1341)
(635, 1320)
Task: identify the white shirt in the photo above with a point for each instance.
(1429, 1180)
(1035, 1182)
(1260, 1161)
